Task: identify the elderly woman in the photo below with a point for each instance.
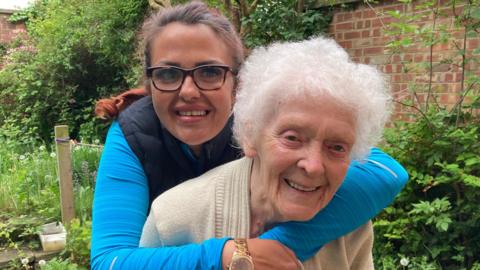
(303, 111)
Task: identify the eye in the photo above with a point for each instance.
(167, 75)
(338, 150)
(210, 73)
(291, 139)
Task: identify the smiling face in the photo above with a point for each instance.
(300, 159)
(191, 115)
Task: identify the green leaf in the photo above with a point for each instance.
(472, 181)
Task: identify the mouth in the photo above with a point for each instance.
(300, 187)
(193, 113)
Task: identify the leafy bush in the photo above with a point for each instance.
(77, 52)
(278, 20)
(78, 242)
(436, 217)
(59, 264)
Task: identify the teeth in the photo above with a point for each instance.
(193, 113)
(299, 187)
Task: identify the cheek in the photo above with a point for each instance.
(160, 104)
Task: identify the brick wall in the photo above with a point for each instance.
(361, 32)
(8, 30)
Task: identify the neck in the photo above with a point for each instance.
(262, 212)
(196, 149)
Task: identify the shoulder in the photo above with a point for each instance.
(186, 212)
(139, 117)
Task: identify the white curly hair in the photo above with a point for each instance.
(312, 68)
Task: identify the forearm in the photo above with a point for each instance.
(368, 188)
(120, 209)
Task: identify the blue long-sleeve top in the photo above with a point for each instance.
(121, 203)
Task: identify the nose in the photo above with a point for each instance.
(312, 163)
(189, 90)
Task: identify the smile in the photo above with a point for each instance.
(300, 187)
(192, 113)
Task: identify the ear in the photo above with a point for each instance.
(249, 149)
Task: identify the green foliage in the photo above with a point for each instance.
(30, 183)
(77, 52)
(30, 195)
(60, 264)
(437, 215)
(277, 20)
(78, 242)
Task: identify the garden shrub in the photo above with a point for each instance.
(278, 20)
(78, 242)
(435, 220)
(77, 51)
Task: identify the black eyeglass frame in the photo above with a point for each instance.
(189, 72)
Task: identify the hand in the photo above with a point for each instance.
(266, 254)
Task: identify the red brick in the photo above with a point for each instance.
(359, 25)
(368, 24)
(358, 52)
(418, 58)
(344, 26)
(473, 44)
(397, 78)
(347, 16)
(448, 98)
(440, 47)
(458, 77)
(339, 17)
(345, 44)
(365, 33)
(368, 13)
(376, 33)
(357, 14)
(388, 68)
(352, 35)
(448, 77)
(377, 23)
(379, 41)
(398, 68)
(374, 50)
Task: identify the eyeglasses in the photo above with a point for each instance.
(206, 77)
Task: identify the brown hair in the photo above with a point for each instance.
(109, 108)
(191, 13)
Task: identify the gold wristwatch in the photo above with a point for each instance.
(241, 259)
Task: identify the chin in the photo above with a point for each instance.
(195, 138)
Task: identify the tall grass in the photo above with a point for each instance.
(29, 182)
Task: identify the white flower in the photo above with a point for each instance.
(53, 154)
(42, 262)
(42, 148)
(21, 157)
(24, 261)
(96, 141)
(404, 261)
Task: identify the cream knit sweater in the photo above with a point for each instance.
(217, 204)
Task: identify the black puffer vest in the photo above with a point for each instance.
(164, 162)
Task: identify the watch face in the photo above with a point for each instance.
(241, 263)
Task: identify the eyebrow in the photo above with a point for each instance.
(203, 63)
